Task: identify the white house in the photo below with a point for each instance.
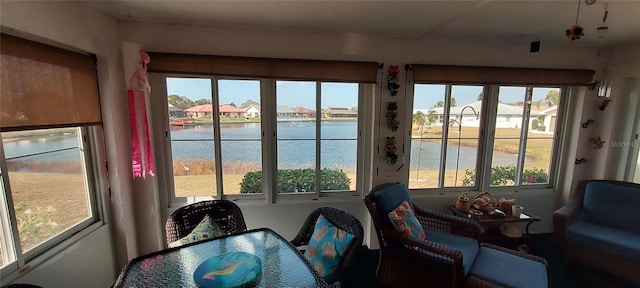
(252, 111)
(469, 115)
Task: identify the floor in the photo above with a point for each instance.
(560, 274)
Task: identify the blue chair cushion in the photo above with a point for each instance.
(327, 246)
(509, 270)
(389, 198)
(468, 246)
(622, 243)
(612, 205)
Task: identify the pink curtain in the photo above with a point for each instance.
(141, 156)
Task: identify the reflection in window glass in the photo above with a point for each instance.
(192, 141)
(426, 135)
(339, 134)
(48, 184)
(296, 141)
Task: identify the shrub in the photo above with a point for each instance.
(506, 175)
(297, 180)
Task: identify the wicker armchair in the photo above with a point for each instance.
(427, 263)
(340, 219)
(225, 213)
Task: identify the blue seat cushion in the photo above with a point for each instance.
(389, 198)
(612, 205)
(468, 246)
(616, 241)
(509, 270)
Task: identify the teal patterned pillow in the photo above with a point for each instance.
(206, 229)
(327, 246)
(406, 222)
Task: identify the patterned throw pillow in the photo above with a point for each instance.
(206, 229)
(327, 246)
(406, 222)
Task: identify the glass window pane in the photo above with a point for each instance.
(462, 139)
(192, 142)
(47, 180)
(540, 139)
(426, 135)
(506, 143)
(240, 135)
(339, 134)
(296, 141)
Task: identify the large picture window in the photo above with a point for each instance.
(316, 132)
(484, 134)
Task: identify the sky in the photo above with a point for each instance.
(345, 95)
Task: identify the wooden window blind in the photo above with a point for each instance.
(286, 69)
(500, 75)
(44, 86)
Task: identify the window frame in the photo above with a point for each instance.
(486, 137)
(268, 114)
(94, 170)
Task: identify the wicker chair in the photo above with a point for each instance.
(428, 264)
(225, 213)
(342, 220)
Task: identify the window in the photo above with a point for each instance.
(49, 130)
(279, 128)
(46, 182)
(316, 139)
(441, 152)
(485, 134)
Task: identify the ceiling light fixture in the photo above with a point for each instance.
(575, 31)
(602, 30)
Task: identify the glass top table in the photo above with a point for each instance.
(282, 264)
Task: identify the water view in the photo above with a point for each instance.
(241, 143)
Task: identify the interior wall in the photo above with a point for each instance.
(178, 38)
(90, 262)
(86, 263)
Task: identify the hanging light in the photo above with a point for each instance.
(602, 30)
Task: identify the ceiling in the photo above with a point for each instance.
(513, 22)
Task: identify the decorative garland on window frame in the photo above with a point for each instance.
(390, 149)
(392, 116)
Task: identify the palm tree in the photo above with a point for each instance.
(419, 119)
(432, 118)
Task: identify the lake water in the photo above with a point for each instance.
(241, 143)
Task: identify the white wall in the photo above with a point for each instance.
(87, 263)
(91, 261)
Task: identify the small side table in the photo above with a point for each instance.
(491, 225)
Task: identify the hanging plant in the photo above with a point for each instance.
(575, 31)
(390, 149)
(392, 116)
(392, 81)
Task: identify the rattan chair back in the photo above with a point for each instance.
(225, 213)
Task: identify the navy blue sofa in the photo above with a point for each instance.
(600, 227)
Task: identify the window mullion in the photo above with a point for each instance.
(318, 140)
(217, 142)
(523, 135)
(483, 175)
(445, 133)
(268, 114)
